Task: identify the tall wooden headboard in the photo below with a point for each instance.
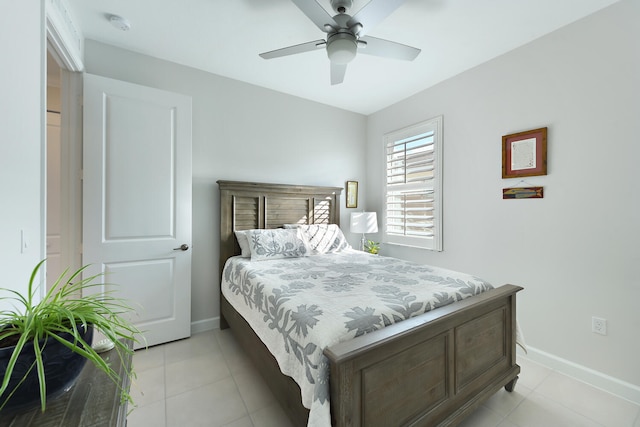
(250, 205)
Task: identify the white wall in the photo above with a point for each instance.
(22, 118)
(576, 251)
(242, 132)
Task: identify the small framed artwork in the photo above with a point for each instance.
(523, 193)
(524, 153)
(352, 194)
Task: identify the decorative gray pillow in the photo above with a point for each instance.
(277, 243)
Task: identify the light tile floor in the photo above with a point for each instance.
(207, 380)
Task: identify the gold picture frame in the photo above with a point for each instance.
(352, 194)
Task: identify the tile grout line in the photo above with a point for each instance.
(233, 377)
(525, 397)
(164, 383)
(636, 422)
(581, 384)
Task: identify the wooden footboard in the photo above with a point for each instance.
(431, 370)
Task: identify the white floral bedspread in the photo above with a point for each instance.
(300, 306)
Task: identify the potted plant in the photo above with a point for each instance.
(372, 247)
(44, 345)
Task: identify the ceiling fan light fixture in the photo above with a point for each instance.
(341, 48)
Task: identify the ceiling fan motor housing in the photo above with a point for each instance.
(341, 6)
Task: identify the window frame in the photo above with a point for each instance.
(433, 243)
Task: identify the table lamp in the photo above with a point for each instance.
(364, 222)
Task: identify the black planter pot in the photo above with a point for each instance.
(61, 369)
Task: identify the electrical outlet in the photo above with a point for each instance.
(599, 325)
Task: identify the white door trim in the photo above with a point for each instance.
(63, 37)
(64, 42)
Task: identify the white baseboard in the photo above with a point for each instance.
(205, 325)
(597, 379)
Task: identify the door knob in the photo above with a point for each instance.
(183, 247)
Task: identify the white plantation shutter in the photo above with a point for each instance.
(413, 190)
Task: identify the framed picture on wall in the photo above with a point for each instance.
(524, 153)
(352, 194)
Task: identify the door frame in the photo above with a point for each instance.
(64, 43)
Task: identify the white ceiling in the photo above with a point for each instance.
(225, 38)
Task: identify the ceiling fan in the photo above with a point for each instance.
(346, 34)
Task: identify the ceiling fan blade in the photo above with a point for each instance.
(337, 73)
(373, 13)
(292, 50)
(388, 49)
(316, 13)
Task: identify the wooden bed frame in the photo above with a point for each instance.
(433, 369)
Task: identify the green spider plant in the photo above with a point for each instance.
(66, 308)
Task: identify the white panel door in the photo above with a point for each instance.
(137, 200)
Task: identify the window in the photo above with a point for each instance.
(413, 190)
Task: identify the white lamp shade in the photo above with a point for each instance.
(364, 222)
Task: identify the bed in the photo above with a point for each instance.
(431, 369)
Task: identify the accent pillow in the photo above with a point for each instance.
(325, 238)
(277, 243)
(242, 236)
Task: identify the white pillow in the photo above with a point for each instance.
(243, 241)
(325, 238)
(277, 243)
